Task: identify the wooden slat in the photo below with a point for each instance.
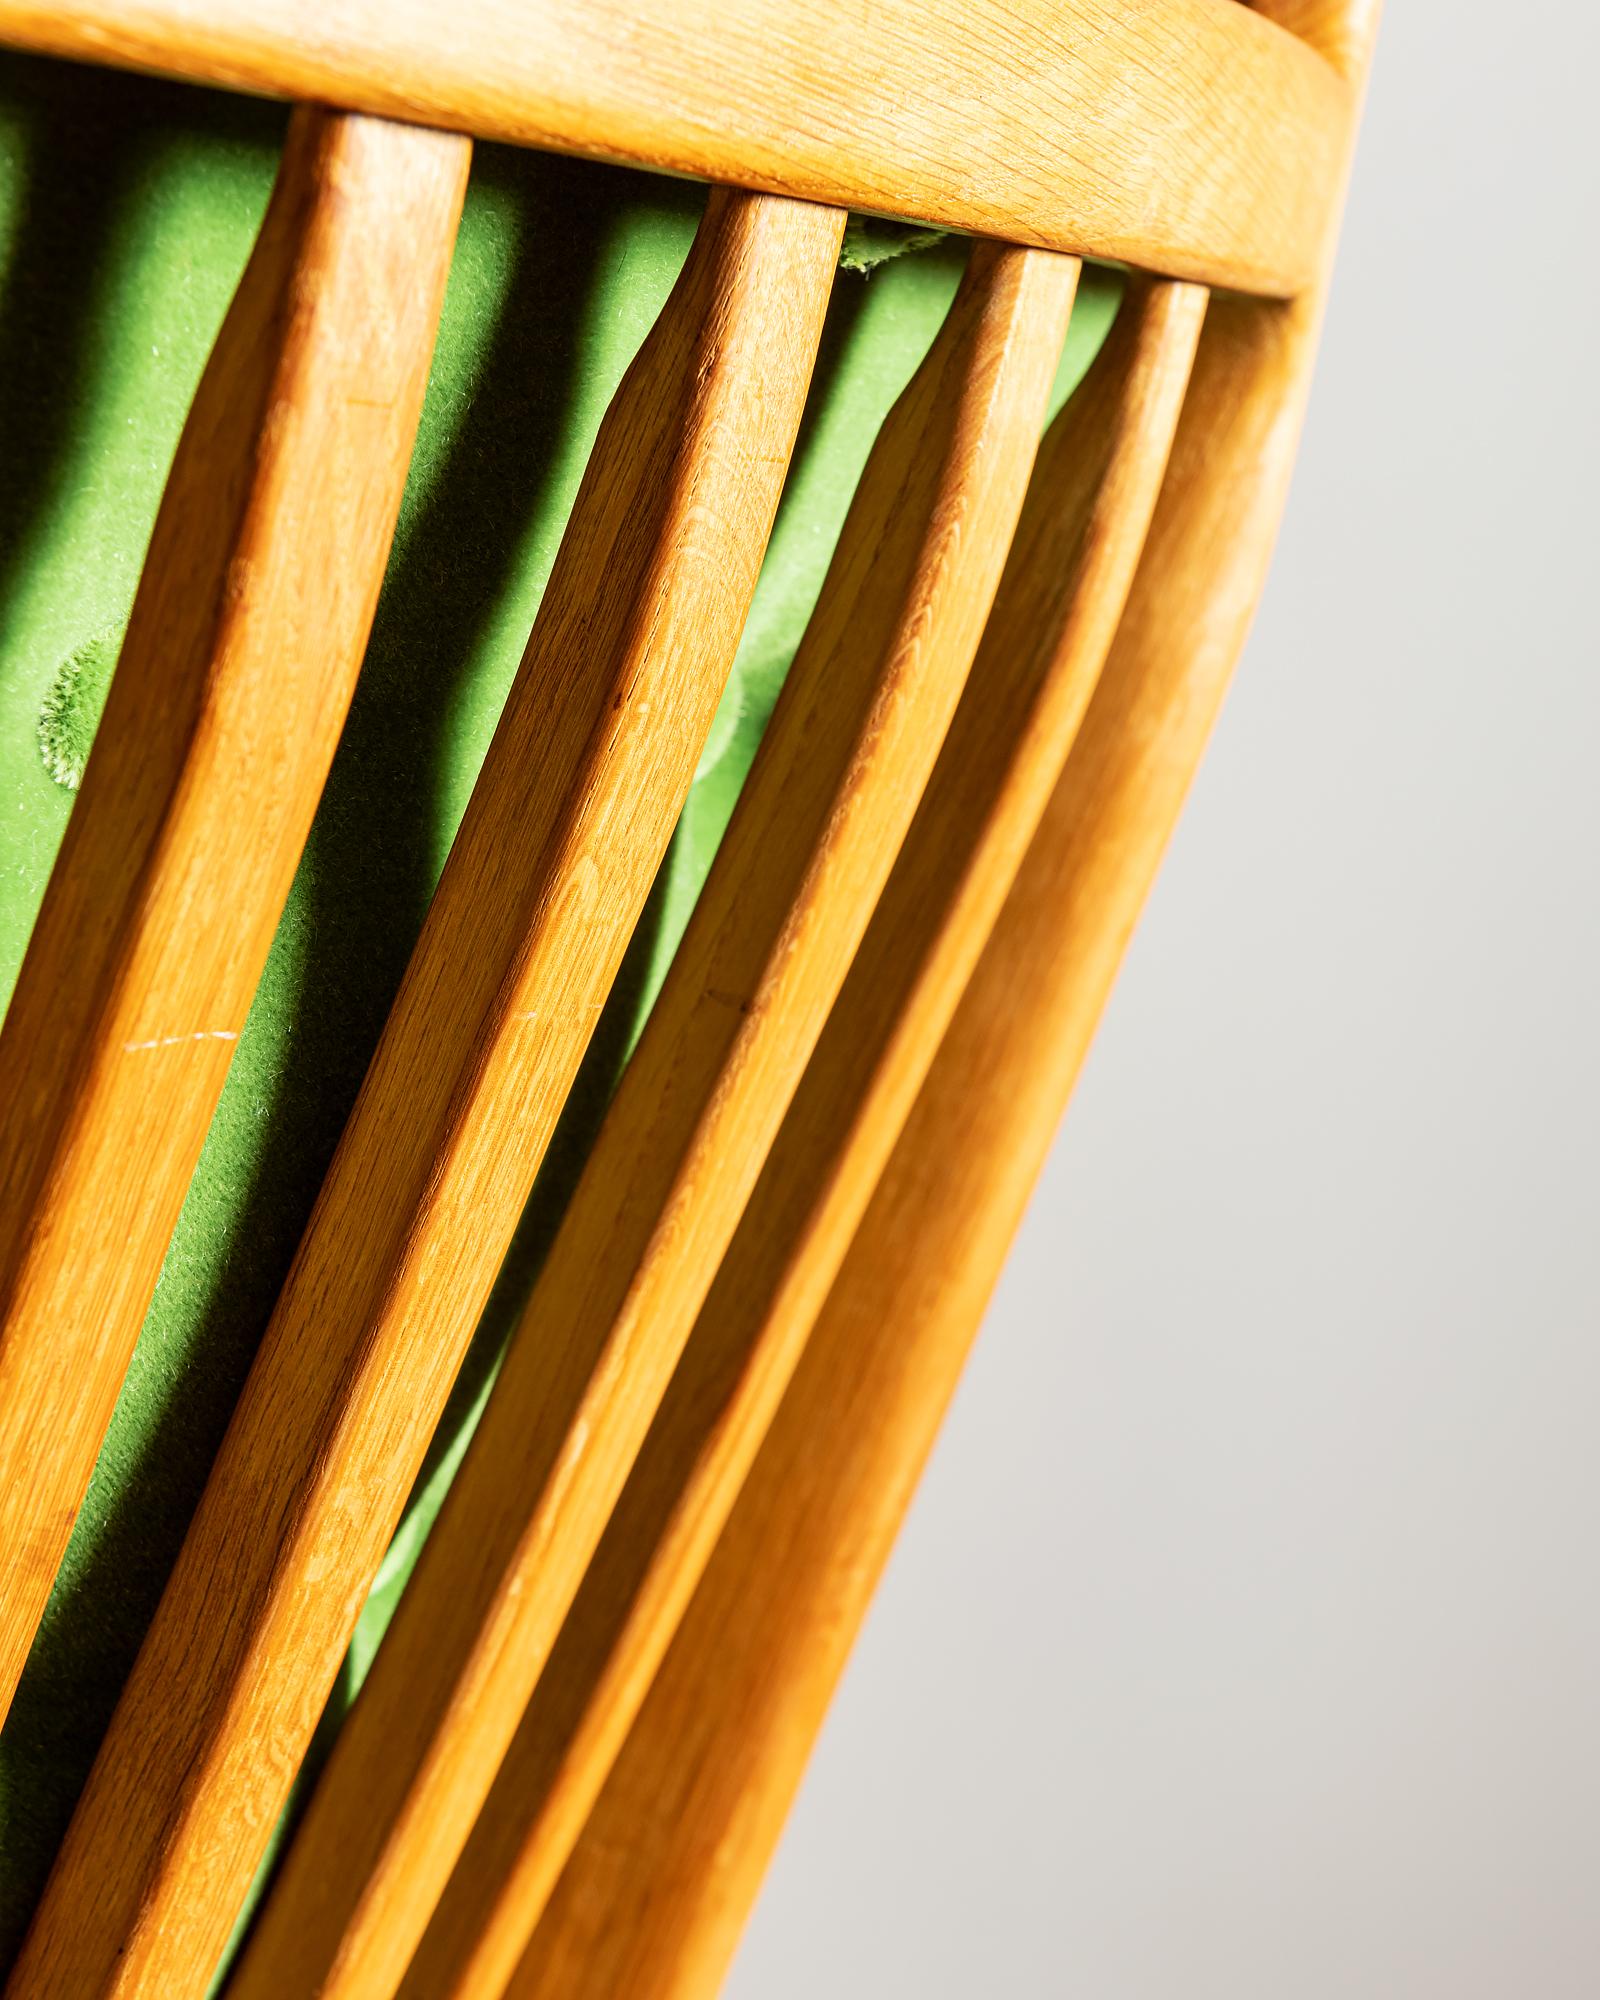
(1064, 587)
(1184, 136)
(663, 1877)
(823, 813)
(563, 836)
(247, 631)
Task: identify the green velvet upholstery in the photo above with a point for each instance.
(127, 209)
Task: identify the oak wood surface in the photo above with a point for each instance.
(841, 767)
(1184, 136)
(563, 835)
(241, 656)
(670, 1859)
(1064, 586)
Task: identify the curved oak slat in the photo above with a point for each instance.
(834, 786)
(669, 1862)
(247, 631)
(1183, 136)
(1064, 587)
(563, 835)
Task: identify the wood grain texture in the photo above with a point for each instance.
(247, 631)
(1062, 593)
(563, 836)
(834, 786)
(1184, 136)
(661, 1881)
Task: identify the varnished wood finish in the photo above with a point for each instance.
(659, 1885)
(830, 1291)
(241, 656)
(1184, 136)
(1064, 587)
(834, 787)
(562, 838)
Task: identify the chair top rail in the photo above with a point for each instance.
(1188, 137)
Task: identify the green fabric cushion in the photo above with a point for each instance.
(127, 209)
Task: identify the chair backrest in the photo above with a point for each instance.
(575, 1750)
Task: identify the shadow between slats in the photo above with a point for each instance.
(566, 828)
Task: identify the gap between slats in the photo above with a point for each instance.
(843, 763)
(562, 838)
(668, 1864)
(247, 631)
(1064, 587)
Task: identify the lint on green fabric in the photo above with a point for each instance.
(127, 210)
